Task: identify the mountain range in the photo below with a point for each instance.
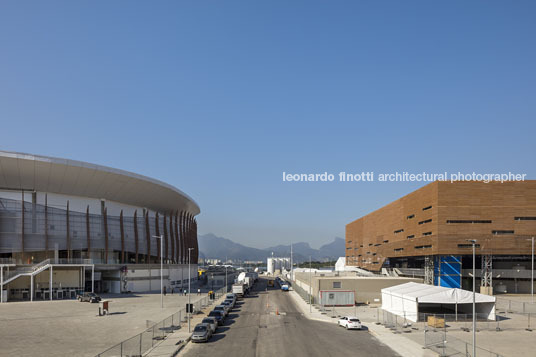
(213, 247)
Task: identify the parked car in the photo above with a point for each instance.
(350, 322)
(202, 333)
(231, 297)
(212, 322)
(88, 297)
(228, 303)
(231, 302)
(223, 308)
(218, 315)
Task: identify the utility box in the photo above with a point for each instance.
(104, 307)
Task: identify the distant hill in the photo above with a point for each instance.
(211, 246)
(333, 250)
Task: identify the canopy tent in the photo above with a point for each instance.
(404, 300)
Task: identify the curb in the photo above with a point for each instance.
(394, 346)
(183, 344)
(187, 340)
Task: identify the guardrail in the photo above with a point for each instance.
(142, 342)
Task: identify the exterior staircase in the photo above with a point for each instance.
(26, 271)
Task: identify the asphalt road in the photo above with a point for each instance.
(268, 323)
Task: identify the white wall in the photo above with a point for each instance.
(148, 280)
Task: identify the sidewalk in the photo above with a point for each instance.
(401, 345)
(176, 341)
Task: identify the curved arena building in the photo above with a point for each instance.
(65, 213)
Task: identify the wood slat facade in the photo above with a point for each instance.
(438, 218)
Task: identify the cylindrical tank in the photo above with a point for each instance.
(270, 266)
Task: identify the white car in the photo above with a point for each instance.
(350, 322)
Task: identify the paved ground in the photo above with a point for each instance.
(71, 328)
(511, 339)
(255, 329)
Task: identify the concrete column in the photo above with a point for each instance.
(1, 284)
(93, 278)
(31, 287)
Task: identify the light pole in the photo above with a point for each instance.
(310, 282)
(161, 270)
(226, 286)
(532, 273)
(291, 264)
(473, 242)
(189, 291)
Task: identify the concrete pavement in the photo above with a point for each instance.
(398, 343)
(178, 339)
(71, 328)
(268, 323)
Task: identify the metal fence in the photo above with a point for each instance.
(137, 345)
(304, 294)
(515, 307)
(438, 339)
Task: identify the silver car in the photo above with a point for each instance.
(212, 322)
(202, 333)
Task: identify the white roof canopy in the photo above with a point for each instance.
(423, 293)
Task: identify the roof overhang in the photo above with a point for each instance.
(19, 171)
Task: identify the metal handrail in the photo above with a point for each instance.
(40, 265)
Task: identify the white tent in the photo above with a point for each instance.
(404, 300)
(340, 264)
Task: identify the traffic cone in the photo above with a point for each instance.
(277, 311)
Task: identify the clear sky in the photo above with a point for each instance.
(220, 97)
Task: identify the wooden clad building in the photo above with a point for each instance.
(440, 217)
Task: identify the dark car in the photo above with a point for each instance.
(89, 297)
(228, 303)
(218, 315)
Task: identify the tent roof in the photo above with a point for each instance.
(435, 294)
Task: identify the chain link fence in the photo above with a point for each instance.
(136, 346)
(515, 307)
(437, 338)
(439, 341)
(304, 294)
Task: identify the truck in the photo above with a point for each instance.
(253, 275)
(239, 289)
(248, 281)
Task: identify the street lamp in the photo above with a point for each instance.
(310, 282)
(189, 290)
(532, 273)
(161, 237)
(473, 242)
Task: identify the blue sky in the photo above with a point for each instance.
(220, 97)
